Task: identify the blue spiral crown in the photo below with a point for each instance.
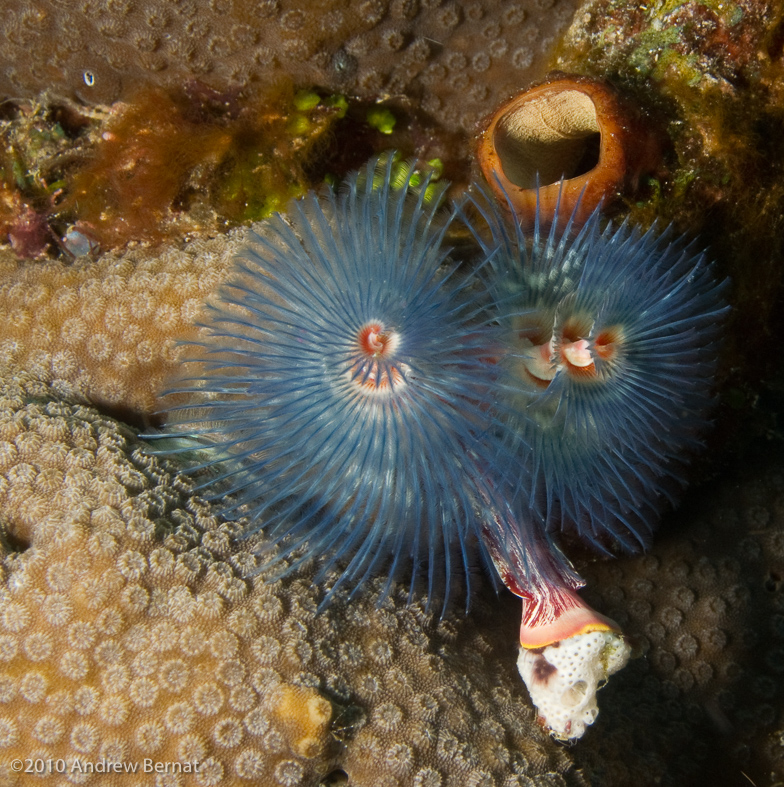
(610, 351)
(343, 392)
(369, 404)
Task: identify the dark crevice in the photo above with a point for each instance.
(10, 542)
(336, 778)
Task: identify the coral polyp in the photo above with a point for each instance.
(611, 351)
(343, 388)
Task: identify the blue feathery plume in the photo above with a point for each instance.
(610, 351)
(343, 393)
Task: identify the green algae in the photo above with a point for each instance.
(381, 119)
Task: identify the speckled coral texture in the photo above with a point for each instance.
(460, 57)
(111, 330)
(125, 533)
(705, 609)
(133, 627)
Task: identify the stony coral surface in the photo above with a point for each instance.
(131, 628)
(461, 57)
(108, 330)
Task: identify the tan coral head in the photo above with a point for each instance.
(571, 128)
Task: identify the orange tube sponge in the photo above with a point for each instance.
(571, 128)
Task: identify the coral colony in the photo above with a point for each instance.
(366, 403)
(136, 627)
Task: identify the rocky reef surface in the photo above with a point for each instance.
(134, 626)
(454, 59)
(131, 623)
